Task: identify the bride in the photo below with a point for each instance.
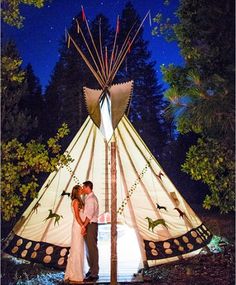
(75, 262)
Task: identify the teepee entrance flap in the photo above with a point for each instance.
(92, 102)
(106, 108)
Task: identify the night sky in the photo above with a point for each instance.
(38, 41)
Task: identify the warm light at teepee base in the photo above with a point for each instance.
(128, 252)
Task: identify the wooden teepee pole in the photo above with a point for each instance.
(113, 216)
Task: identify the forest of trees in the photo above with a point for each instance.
(202, 95)
(200, 101)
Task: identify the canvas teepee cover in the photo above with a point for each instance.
(141, 185)
(166, 227)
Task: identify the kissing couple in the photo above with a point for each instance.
(84, 234)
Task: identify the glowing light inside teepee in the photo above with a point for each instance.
(106, 120)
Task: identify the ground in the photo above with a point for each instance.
(206, 269)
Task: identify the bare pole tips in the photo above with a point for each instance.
(78, 26)
(150, 18)
(68, 39)
(83, 14)
(114, 43)
(106, 66)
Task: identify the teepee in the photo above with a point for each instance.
(166, 227)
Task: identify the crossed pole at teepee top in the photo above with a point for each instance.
(105, 68)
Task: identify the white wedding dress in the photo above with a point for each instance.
(75, 262)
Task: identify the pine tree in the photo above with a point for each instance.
(64, 94)
(15, 121)
(32, 101)
(202, 95)
(147, 105)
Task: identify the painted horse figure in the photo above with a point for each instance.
(54, 215)
(152, 224)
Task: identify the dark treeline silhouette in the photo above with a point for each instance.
(22, 103)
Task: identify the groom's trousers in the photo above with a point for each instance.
(91, 239)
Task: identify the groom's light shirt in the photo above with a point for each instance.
(91, 209)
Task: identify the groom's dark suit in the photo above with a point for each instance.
(91, 211)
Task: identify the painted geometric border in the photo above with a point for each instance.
(192, 240)
(56, 256)
(39, 252)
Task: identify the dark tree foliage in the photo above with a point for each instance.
(16, 122)
(22, 161)
(33, 102)
(202, 95)
(206, 36)
(64, 95)
(10, 11)
(147, 104)
(175, 154)
(21, 167)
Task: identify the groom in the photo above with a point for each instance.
(90, 230)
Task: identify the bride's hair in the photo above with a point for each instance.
(75, 195)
